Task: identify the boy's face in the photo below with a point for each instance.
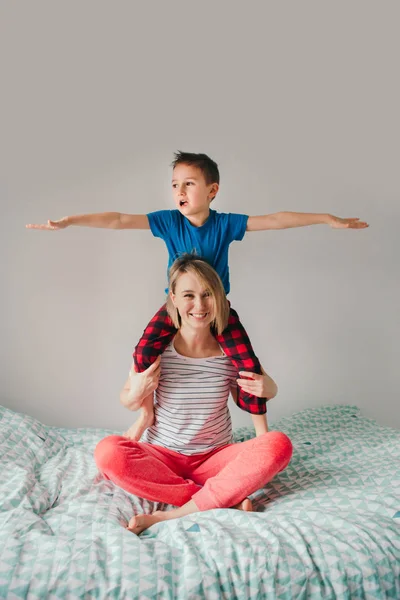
(191, 194)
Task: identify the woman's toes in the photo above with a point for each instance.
(247, 505)
(135, 524)
(139, 523)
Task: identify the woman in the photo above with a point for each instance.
(187, 458)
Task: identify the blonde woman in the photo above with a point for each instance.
(187, 457)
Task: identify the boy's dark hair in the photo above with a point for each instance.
(207, 166)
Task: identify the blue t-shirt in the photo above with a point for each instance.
(210, 241)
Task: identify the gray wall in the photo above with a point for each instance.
(298, 102)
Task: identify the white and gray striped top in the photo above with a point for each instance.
(191, 403)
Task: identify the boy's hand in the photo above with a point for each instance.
(51, 225)
(261, 386)
(143, 384)
(354, 223)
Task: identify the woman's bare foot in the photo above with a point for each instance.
(139, 523)
(136, 430)
(245, 505)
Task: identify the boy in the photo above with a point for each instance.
(194, 227)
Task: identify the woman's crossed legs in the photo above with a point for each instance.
(222, 478)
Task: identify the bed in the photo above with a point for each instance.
(327, 527)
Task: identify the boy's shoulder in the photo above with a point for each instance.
(229, 217)
(166, 214)
(228, 214)
(164, 211)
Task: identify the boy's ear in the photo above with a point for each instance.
(213, 191)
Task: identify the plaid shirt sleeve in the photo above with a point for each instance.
(156, 337)
(236, 344)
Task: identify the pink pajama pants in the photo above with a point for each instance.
(218, 479)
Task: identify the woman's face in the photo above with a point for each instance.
(194, 303)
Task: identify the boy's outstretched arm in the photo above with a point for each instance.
(107, 220)
(285, 220)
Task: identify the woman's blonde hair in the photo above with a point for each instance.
(190, 263)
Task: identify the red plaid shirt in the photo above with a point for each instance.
(234, 341)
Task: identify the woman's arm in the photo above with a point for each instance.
(128, 399)
(260, 422)
(139, 386)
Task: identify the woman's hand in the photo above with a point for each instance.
(140, 385)
(143, 384)
(262, 386)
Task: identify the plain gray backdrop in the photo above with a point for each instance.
(298, 102)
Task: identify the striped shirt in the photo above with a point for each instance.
(191, 403)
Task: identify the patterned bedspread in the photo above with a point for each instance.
(327, 527)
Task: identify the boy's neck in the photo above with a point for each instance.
(199, 219)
